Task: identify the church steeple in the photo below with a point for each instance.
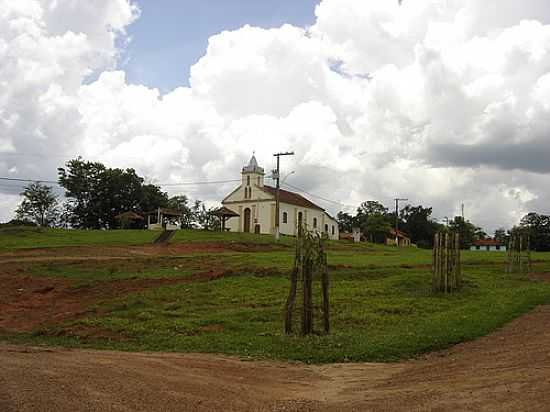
(253, 174)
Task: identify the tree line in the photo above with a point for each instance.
(376, 222)
(96, 194)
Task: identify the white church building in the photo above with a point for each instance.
(254, 202)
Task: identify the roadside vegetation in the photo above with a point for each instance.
(224, 293)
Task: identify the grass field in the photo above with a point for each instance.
(231, 300)
(21, 238)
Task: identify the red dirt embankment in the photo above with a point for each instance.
(128, 252)
(30, 302)
(508, 370)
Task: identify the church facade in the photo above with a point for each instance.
(254, 202)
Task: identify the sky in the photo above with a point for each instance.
(171, 35)
(443, 102)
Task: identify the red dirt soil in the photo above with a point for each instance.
(30, 302)
(508, 370)
(128, 252)
(27, 303)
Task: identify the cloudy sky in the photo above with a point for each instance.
(441, 101)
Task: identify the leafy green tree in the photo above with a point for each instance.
(501, 236)
(83, 186)
(377, 228)
(538, 227)
(97, 193)
(39, 205)
(151, 198)
(345, 222)
(373, 219)
(376, 222)
(372, 207)
(467, 230)
(416, 221)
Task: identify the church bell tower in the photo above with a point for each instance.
(252, 175)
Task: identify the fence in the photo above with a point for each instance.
(310, 271)
(447, 266)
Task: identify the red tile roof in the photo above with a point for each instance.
(399, 233)
(486, 242)
(225, 212)
(291, 198)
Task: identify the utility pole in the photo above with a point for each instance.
(462, 207)
(397, 220)
(277, 176)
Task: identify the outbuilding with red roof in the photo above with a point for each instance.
(488, 245)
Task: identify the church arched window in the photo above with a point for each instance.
(285, 217)
(314, 223)
(248, 180)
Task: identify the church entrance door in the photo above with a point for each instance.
(246, 220)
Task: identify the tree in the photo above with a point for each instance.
(372, 207)
(345, 222)
(377, 228)
(39, 205)
(373, 219)
(376, 222)
(204, 217)
(501, 236)
(538, 227)
(97, 194)
(181, 204)
(151, 198)
(467, 230)
(417, 223)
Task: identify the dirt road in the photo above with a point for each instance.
(508, 370)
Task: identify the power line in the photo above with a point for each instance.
(58, 156)
(204, 182)
(198, 183)
(209, 182)
(319, 197)
(12, 179)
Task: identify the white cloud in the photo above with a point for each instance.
(444, 102)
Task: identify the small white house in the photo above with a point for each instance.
(254, 203)
(488, 245)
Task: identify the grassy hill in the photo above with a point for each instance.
(224, 293)
(21, 237)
